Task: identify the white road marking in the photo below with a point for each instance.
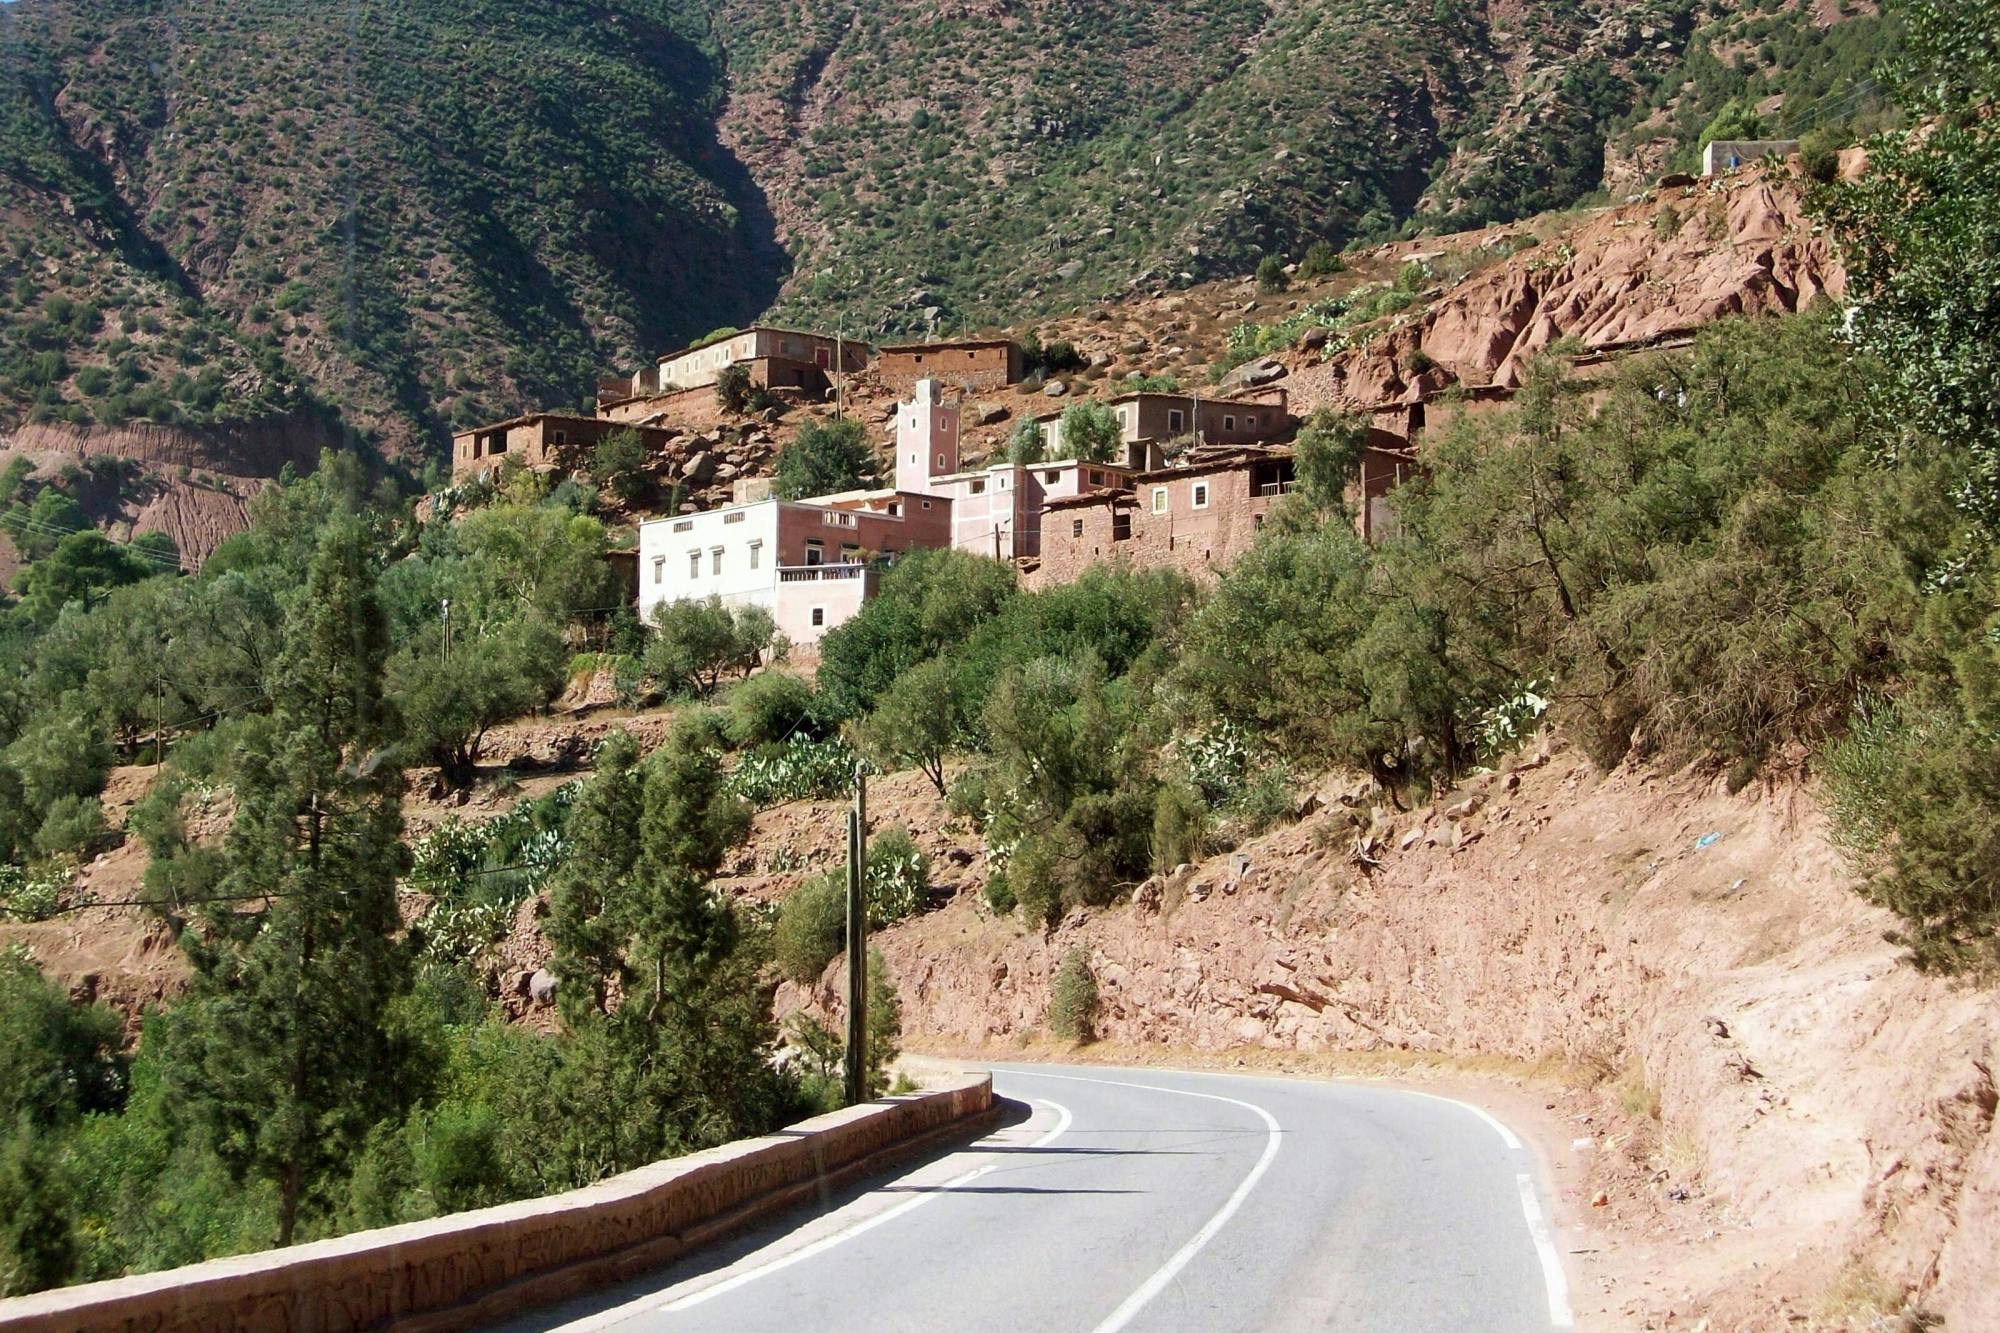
(1555, 1283)
(1168, 1271)
(652, 1304)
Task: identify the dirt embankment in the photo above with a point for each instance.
(193, 485)
(1806, 1129)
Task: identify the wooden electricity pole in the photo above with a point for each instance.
(857, 942)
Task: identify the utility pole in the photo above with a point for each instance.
(857, 942)
(447, 630)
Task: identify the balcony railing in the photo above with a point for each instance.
(820, 573)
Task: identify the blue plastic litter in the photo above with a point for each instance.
(1707, 840)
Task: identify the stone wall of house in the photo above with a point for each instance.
(978, 368)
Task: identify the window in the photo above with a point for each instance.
(895, 511)
(1229, 423)
(685, 525)
(815, 554)
(715, 561)
(736, 517)
(927, 504)
(1159, 499)
(1121, 527)
(979, 486)
(819, 616)
(1076, 527)
(694, 564)
(1198, 493)
(1052, 476)
(940, 462)
(850, 554)
(1256, 521)
(562, 437)
(1096, 478)
(659, 570)
(756, 554)
(1176, 421)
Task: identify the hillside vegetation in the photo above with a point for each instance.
(1775, 550)
(416, 216)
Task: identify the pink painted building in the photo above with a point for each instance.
(996, 510)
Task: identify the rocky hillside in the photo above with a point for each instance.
(1790, 1126)
(395, 219)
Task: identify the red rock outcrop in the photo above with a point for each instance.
(1627, 277)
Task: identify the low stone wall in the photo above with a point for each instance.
(470, 1269)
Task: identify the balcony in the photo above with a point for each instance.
(820, 573)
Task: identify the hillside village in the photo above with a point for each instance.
(1191, 473)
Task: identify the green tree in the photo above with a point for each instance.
(1090, 432)
(696, 643)
(60, 1060)
(918, 722)
(826, 458)
(619, 465)
(1920, 234)
(1271, 275)
(292, 1058)
(82, 568)
(930, 601)
(38, 1243)
(496, 672)
(1025, 443)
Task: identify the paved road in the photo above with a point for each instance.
(1146, 1200)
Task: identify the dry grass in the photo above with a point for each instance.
(1860, 1298)
(1636, 1096)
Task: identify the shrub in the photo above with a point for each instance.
(1073, 999)
(769, 709)
(899, 878)
(827, 457)
(802, 769)
(1321, 261)
(73, 826)
(1271, 275)
(812, 927)
(618, 464)
(732, 388)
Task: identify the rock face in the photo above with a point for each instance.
(1633, 276)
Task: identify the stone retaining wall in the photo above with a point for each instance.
(469, 1269)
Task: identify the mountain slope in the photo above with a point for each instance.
(401, 218)
(423, 213)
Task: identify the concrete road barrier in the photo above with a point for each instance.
(469, 1269)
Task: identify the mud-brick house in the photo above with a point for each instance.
(1153, 424)
(1196, 517)
(996, 510)
(810, 563)
(540, 440)
(776, 359)
(972, 365)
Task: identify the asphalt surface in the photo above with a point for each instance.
(1148, 1200)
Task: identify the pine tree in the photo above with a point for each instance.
(294, 1057)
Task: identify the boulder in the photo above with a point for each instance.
(1101, 360)
(542, 986)
(1253, 373)
(1313, 338)
(700, 469)
(1054, 389)
(1069, 270)
(990, 414)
